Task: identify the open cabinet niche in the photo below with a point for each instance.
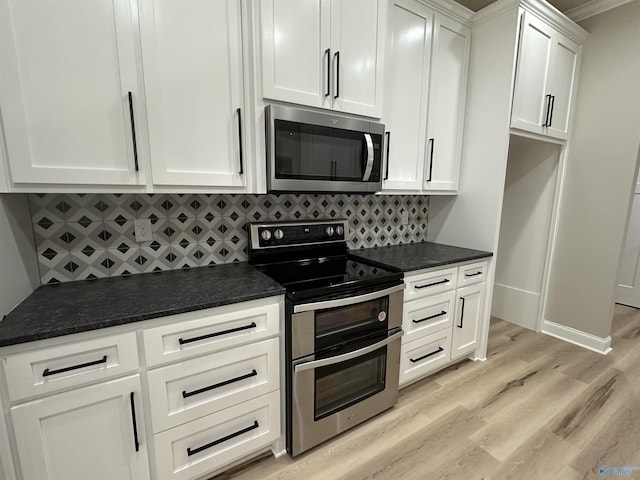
(526, 230)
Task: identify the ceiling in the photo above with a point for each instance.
(562, 5)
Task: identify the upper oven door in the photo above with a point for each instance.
(309, 151)
(320, 326)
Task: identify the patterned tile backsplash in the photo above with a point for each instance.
(84, 236)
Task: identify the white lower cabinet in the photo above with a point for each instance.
(442, 315)
(204, 445)
(425, 355)
(468, 315)
(94, 432)
(203, 392)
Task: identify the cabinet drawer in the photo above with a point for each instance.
(427, 315)
(205, 331)
(472, 273)
(429, 283)
(201, 446)
(45, 371)
(424, 355)
(194, 388)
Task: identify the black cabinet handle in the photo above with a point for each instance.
(473, 274)
(216, 334)
(546, 117)
(48, 372)
(337, 56)
(432, 142)
(239, 112)
(446, 280)
(328, 54)
(186, 394)
(553, 104)
(133, 131)
(221, 440)
(461, 313)
(430, 317)
(135, 423)
(414, 360)
(386, 171)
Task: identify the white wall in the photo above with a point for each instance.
(529, 194)
(18, 261)
(599, 175)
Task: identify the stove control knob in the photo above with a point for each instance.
(278, 234)
(329, 231)
(265, 235)
(339, 230)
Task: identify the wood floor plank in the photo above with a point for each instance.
(536, 408)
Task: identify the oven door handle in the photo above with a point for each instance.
(347, 356)
(369, 165)
(343, 302)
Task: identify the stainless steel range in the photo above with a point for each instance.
(343, 328)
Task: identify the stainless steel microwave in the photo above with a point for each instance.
(322, 152)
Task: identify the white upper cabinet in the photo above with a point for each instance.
(447, 101)
(69, 92)
(425, 98)
(546, 78)
(324, 53)
(406, 98)
(192, 59)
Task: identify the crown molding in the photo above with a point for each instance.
(594, 7)
(539, 8)
(451, 9)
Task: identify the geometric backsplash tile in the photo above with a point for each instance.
(85, 236)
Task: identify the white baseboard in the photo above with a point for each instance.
(577, 337)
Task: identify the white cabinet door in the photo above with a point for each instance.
(69, 91)
(562, 84)
(530, 96)
(546, 79)
(296, 52)
(467, 320)
(407, 84)
(447, 101)
(357, 48)
(85, 433)
(192, 58)
(324, 53)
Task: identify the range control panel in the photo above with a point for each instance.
(281, 234)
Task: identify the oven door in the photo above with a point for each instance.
(346, 363)
(334, 393)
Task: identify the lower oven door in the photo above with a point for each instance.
(333, 394)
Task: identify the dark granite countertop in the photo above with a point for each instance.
(62, 309)
(416, 256)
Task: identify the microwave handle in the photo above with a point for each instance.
(369, 166)
(347, 356)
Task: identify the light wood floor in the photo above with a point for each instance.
(538, 408)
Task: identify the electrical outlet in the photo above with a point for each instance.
(405, 217)
(143, 230)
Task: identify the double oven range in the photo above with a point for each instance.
(343, 323)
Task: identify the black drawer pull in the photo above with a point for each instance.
(221, 440)
(134, 422)
(240, 153)
(414, 360)
(217, 334)
(430, 317)
(48, 372)
(473, 274)
(186, 394)
(446, 280)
